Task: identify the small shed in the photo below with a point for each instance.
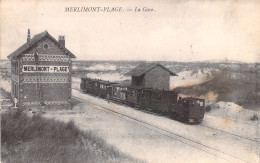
(151, 75)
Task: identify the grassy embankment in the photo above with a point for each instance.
(36, 139)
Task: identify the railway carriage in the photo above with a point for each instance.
(132, 95)
(160, 101)
(119, 90)
(87, 85)
(104, 88)
(96, 86)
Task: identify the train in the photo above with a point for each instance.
(165, 102)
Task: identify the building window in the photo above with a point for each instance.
(15, 90)
(15, 67)
(45, 46)
(12, 88)
(12, 67)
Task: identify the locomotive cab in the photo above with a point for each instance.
(193, 109)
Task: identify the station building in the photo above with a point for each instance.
(41, 73)
(151, 75)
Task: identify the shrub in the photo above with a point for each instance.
(37, 139)
(5, 94)
(254, 118)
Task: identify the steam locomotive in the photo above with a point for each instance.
(189, 109)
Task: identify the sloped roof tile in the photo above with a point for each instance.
(145, 67)
(35, 39)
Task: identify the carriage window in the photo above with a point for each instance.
(102, 86)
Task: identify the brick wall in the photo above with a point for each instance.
(54, 89)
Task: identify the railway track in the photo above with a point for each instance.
(229, 133)
(215, 129)
(202, 125)
(185, 140)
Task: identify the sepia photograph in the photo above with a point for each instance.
(130, 81)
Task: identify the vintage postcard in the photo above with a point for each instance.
(130, 81)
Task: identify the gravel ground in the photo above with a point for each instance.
(145, 144)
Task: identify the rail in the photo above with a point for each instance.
(172, 135)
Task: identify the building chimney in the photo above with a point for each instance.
(61, 41)
(28, 36)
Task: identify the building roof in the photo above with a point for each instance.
(35, 39)
(145, 67)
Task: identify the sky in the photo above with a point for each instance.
(191, 30)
